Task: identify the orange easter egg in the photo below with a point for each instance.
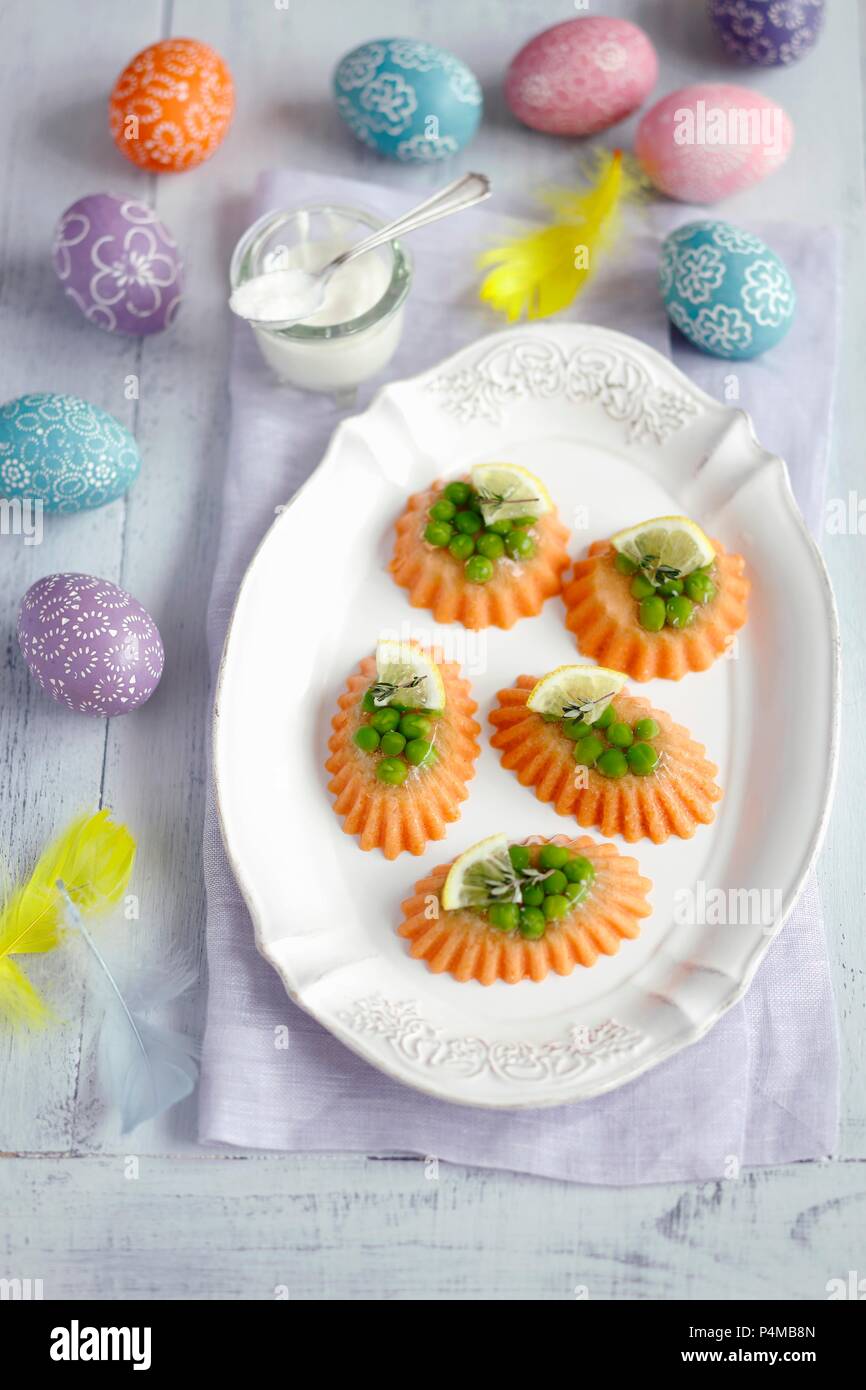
(171, 106)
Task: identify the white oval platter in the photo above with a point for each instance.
(618, 434)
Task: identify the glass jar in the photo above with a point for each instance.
(324, 356)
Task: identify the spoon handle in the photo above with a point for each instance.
(463, 193)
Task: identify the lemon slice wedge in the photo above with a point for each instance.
(407, 675)
(506, 491)
(481, 875)
(668, 546)
(575, 692)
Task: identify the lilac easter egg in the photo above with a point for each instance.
(705, 142)
(90, 645)
(118, 264)
(581, 76)
(767, 33)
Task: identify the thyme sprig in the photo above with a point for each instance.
(488, 498)
(383, 692)
(585, 707)
(659, 574)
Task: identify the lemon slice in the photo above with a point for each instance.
(405, 673)
(575, 692)
(667, 547)
(507, 491)
(481, 875)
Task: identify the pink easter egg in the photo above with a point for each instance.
(702, 143)
(581, 76)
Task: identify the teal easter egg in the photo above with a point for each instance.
(408, 100)
(65, 452)
(725, 290)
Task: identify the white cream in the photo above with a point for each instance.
(337, 363)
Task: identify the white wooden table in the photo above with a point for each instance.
(184, 1222)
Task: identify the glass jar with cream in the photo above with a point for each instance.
(355, 333)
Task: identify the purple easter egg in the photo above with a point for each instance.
(767, 33)
(119, 264)
(90, 645)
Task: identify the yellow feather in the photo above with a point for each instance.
(93, 858)
(544, 272)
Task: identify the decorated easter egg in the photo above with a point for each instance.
(725, 289)
(581, 76)
(90, 645)
(118, 264)
(702, 143)
(407, 99)
(65, 452)
(171, 106)
(767, 33)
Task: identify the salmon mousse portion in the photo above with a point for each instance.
(603, 756)
(483, 550)
(517, 911)
(657, 599)
(403, 748)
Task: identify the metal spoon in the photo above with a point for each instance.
(309, 289)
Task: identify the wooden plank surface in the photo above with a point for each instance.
(323, 1219)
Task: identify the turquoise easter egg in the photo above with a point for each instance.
(65, 452)
(408, 100)
(725, 290)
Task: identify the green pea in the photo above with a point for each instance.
(700, 588)
(505, 916)
(620, 734)
(532, 923)
(579, 870)
(469, 523)
(490, 545)
(415, 726)
(385, 719)
(392, 744)
(500, 528)
(576, 892)
(589, 750)
(520, 857)
(641, 587)
(438, 533)
(554, 883)
(624, 564)
(457, 493)
(552, 856)
(679, 612)
(606, 719)
(612, 763)
(642, 758)
(443, 510)
(462, 547)
(533, 896)
(392, 771)
(651, 614)
(368, 704)
(519, 545)
(556, 905)
(367, 738)
(646, 728)
(575, 729)
(671, 588)
(417, 750)
(434, 713)
(523, 521)
(478, 569)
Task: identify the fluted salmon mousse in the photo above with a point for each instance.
(483, 550)
(517, 911)
(603, 756)
(658, 599)
(403, 748)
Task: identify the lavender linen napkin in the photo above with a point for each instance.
(761, 1087)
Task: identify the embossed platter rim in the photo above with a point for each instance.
(626, 433)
